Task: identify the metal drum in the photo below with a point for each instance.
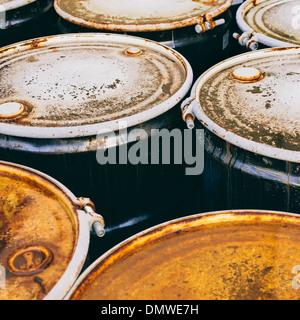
(199, 30)
(25, 19)
(269, 23)
(230, 255)
(44, 234)
(65, 99)
(235, 47)
(248, 107)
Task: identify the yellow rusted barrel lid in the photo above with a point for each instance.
(275, 23)
(221, 255)
(41, 224)
(139, 16)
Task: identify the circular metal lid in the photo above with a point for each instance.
(276, 22)
(252, 101)
(225, 255)
(38, 233)
(138, 15)
(83, 84)
(11, 110)
(14, 4)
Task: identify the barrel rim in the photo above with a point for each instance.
(139, 27)
(65, 282)
(259, 37)
(234, 139)
(108, 126)
(15, 4)
(173, 226)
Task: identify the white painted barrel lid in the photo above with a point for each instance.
(276, 22)
(261, 114)
(84, 84)
(138, 15)
(14, 4)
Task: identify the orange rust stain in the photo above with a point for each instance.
(283, 48)
(7, 49)
(34, 43)
(29, 204)
(246, 258)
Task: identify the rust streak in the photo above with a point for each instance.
(34, 43)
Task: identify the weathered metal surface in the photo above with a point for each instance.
(30, 260)
(44, 234)
(76, 85)
(14, 4)
(251, 128)
(261, 115)
(137, 16)
(272, 21)
(33, 214)
(208, 47)
(225, 256)
(62, 158)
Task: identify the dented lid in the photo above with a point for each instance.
(83, 84)
(252, 101)
(39, 230)
(139, 15)
(277, 22)
(14, 4)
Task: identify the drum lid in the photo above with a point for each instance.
(215, 256)
(276, 21)
(82, 84)
(14, 4)
(39, 232)
(139, 15)
(252, 101)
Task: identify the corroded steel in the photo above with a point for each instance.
(71, 83)
(39, 232)
(274, 21)
(224, 256)
(44, 234)
(140, 15)
(260, 115)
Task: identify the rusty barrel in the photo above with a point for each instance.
(198, 30)
(226, 255)
(25, 19)
(78, 107)
(248, 107)
(44, 234)
(268, 23)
